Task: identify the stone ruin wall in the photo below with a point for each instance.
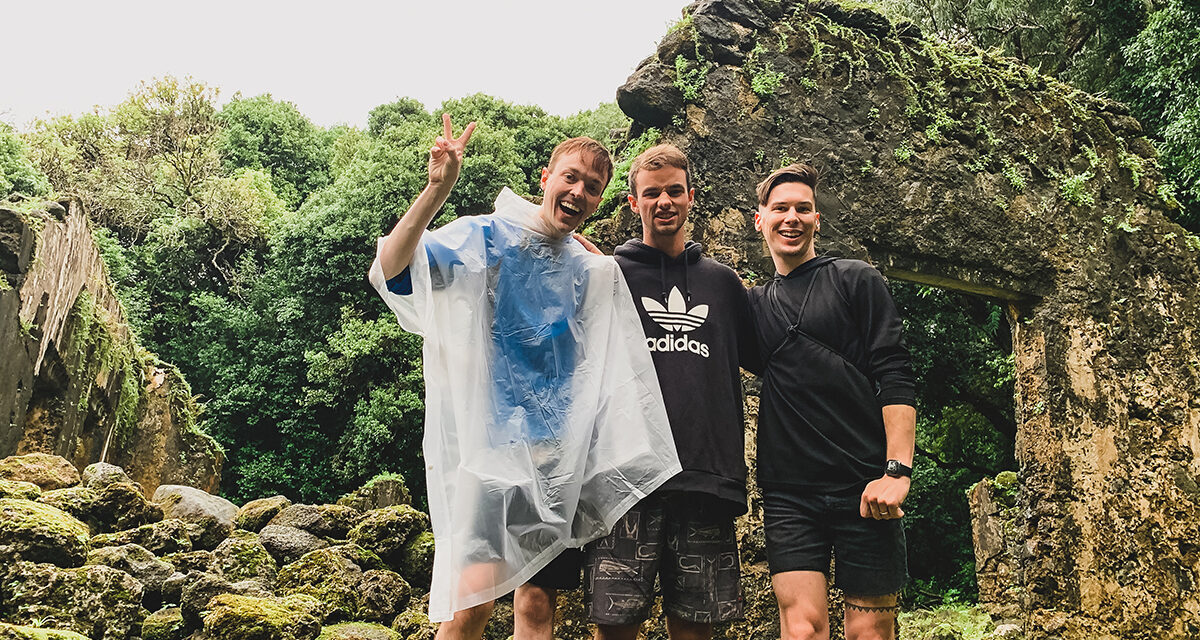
(73, 382)
(954, 168)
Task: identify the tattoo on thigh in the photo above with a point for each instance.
(893, 609)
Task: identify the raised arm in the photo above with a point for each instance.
(445, 162)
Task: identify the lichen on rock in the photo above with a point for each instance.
(161, 538)
(242, 556)
(255, 515)
(98, 601)
(233, 617)
(42, 533)
(45, 470)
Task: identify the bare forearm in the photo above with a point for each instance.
(401, 243)
(900, 427)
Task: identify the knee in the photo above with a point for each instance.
(805, 629)
(534, 605)
(477, 614)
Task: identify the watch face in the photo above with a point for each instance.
(893, 467)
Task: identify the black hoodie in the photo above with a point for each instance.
(696, 315)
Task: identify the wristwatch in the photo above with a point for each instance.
(897, 469)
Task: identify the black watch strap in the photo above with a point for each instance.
(897, 469)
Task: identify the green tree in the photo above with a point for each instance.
(271, 135)
(17, 172)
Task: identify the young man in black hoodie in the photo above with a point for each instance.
(836, 425)
(698, 326)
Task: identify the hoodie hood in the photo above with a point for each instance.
(639, 251)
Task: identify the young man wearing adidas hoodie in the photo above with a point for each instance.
(699, 329)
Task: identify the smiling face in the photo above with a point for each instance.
(788, 220)
(663, 201)
(571, 188)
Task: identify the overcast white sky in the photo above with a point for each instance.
(335, 60)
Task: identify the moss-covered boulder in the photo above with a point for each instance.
(42, 533)
(97, 601)
(358, 631)
(15, 632)
(288, 544)
(116, 507)
(191, 561)
(212, 516)
(200, 588)
(332, 575)
(101, 474)
(46, 471)
(416, 563)
(161, 538)
(164, 624)
(385, 490)
(233, 617)
(243, 557)
(139, 563)
(172, 590)
(382, 594)
(19, 489)
(255, 515)
(325, 520)
(120, 506)
(385, 531)
(77, 501)
(414, 624)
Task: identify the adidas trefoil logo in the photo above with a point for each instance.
(676, 316)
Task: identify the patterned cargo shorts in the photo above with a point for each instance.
(691, 551)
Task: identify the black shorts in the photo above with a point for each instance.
(804, 529)
(562, 572)
(689, 546)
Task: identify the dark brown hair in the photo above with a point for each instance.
(657, 157)
(795, 172)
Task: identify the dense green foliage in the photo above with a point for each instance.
(1145, 53)
(17, 173)
(961, 348)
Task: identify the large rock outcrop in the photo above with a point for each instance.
(73, 381)
(954, 168)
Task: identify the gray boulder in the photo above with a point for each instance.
(288, 544)
(161, 538)
(101, 474)
(243, 557)
(47, 471)
(139, 563)
(255, 515)
(41, 533)
(97, 601)
(212, 514)
(326, 520)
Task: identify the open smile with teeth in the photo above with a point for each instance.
(791, 233)
(570, 208)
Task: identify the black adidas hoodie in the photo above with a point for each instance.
(696, 315)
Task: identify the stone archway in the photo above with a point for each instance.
(958, 169)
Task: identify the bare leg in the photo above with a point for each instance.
(533, 612)
(467, 624)
(678, 629)
(803, 605)
(871, 617)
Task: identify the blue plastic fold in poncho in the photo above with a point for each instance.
(544, 420)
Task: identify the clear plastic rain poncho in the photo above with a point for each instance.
(544, 420)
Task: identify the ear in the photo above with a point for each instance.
(545, 175)
(758, 220)
(691, 196)
(633, 204)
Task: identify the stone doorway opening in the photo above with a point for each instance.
(962, 352)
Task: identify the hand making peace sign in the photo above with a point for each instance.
(446, 155)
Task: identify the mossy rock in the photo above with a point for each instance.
(77, 501)
(255, 515)
(200, 589)
(191, 561)
(357, 631)
(47, 471)
(242, 556)
(14, 632)
(386, 531)
(232, 617)
(164, 624)
(333, 575)
(137, 562)
(120, 506)
(42, 533)
(211, 516)
(326, 520)
(385, 490)
(413, 624)
(382, 594)
(19, 489)
(101, 474)
(170, 536)
(288, 544)
(98, 601)
(416, 562)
